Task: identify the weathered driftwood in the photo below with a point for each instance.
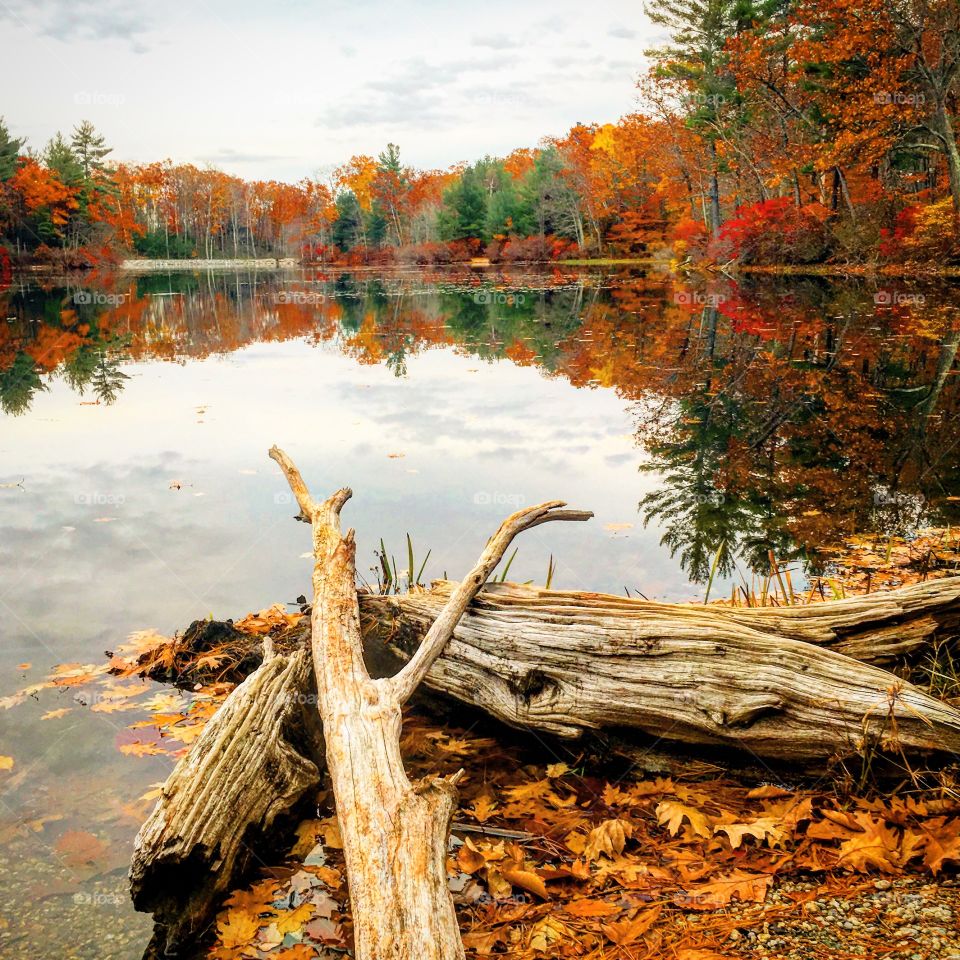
(875, 628)
(667, 650)
(236, 791)
(554, 661)
(395, 833)
(566, 662)
(878, 628)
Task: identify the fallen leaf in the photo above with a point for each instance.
(629, 931)
(672, 814)
(54, 714)
(608, 839)
(748, 887)
(77, 848)
(526, 879)
(237, 928)
(290, 921)
(591, 908)
(469, 859)
(942, 842)
(766, 828)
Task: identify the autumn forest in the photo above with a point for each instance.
(771, 132)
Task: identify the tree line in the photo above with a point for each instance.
(767, 131)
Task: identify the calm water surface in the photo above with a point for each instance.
(135, 490)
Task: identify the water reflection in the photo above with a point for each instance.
(775, 416)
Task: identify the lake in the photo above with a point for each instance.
(707, 424)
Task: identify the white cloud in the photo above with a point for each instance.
(276, 91)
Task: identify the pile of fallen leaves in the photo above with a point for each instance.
(551, 860)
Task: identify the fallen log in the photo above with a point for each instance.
(878, 628)
(779, 682)
(227, 802)
(563, 663)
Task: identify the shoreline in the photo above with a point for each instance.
(147, 265)
(918, 272)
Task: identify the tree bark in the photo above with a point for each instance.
(395, 833)
(237, 791)
(755, 679)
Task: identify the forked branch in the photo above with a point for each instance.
(403, 685)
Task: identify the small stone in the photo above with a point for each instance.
(735, 935)
(883, 885)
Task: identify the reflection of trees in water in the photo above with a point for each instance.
(107, 380)
(778, 418)
(18, 384)
(827, 425)
(96, 367)
(56, 333)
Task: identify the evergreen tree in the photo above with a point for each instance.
(464, 213)
(9, 151)
(347, 229)
(697, 56)
(89, 148)
(59, 157)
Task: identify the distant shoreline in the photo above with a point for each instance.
(145, 265)
(134, 265)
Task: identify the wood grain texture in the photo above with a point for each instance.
(239, 785)
(774, 683)
(395, 833)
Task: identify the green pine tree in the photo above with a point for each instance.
(89, 148)
(9, 151)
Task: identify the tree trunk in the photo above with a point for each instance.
(753, 679)
(236, 791)
(395, 833)
(715, 216)
(951, 152)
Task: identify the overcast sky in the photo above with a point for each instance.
(288, 88)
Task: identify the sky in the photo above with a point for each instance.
(283, 89)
